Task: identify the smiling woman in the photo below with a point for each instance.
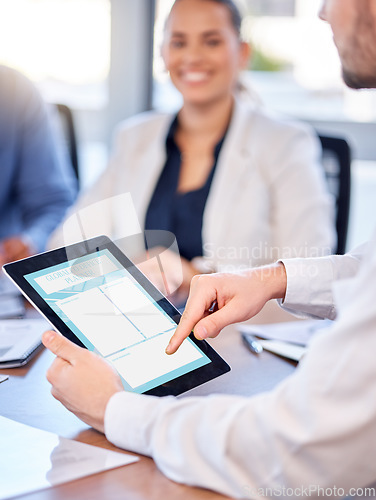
(204, 54)
(221, 173)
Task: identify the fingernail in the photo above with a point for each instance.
(202, 332)
(168, 349)
(48, 337)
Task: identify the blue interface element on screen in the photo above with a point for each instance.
(112, 315)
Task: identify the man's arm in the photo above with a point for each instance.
(305, 434)
(310, 282)
(303, 287)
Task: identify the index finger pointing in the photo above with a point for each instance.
(60, 346)
(201, 297)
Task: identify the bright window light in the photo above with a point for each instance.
(58, 43)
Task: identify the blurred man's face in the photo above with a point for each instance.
(353, 23)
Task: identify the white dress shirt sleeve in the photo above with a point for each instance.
(310, 282)
(315, 429)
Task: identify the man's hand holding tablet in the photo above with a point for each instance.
(94, 295)
(93, 379)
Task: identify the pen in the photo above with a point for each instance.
(252, 344)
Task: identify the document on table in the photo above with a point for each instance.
(285, 349)
(11, 302)
(289, 339)
(20, 340)
(11, 306)
(32, 459)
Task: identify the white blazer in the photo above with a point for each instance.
(268, 198)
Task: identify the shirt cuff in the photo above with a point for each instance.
(309, 287)
(129, 420)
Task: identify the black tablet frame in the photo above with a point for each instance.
(16, 271)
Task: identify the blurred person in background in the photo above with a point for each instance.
(37, 182)
(235, 185)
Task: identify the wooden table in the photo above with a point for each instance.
(26, 398)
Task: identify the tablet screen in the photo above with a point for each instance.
(113, 315)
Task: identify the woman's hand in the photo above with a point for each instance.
(82, 381)
(217, 300)
(14, 248)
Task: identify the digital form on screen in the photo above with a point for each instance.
(111, 314)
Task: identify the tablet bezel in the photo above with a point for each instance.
(16, 271)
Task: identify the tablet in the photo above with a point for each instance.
(95, 296)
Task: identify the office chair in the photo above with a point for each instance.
(69, 135)
(336, 160)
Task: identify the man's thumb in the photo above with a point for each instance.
(60, 346)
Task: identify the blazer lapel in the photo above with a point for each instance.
(233, 161)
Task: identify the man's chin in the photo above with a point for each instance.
(357, 82)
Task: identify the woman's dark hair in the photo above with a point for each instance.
(236, 18)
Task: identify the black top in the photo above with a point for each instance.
(179, 213)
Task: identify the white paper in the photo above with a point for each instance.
(11, 302)
(294, 332)
(32, 459)
(11, 306)
(18, 337)
(291, 351)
